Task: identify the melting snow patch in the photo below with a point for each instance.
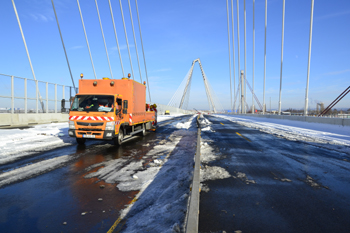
(213, 173)
(243, 177)
(185, 125)
(208, 153)
(310, 181)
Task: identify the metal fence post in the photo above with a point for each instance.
(55, 98)
(25, 97)
(47, 97)
(37, 96)
(12, 95)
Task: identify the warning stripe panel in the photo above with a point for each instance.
(91, 118)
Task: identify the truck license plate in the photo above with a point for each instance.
(88, 136)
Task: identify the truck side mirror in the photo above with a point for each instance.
(125, 109)
(63, 104)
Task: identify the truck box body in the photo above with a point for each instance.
(129, 108)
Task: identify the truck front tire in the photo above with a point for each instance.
(119, 138)
(81, 141)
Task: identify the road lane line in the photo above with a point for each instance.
(243, 137)
(221, 123)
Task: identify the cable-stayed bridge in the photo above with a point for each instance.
(222, 172)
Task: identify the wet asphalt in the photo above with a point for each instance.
(62, 200)
(289, 186)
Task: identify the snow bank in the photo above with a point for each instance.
(296, 130)
(18, 143)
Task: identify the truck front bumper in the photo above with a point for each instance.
(104, 135)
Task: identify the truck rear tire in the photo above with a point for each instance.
(118, 140)
(143, 132)
(81, 141)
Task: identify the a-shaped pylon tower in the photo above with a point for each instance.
(181, 96)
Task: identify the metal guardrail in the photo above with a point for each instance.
(193, 209)
(25, 95)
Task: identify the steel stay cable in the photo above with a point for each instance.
(64, 48)
(103, 36)
(133, 32)
(116, 37)
(143, 52)
(25, 45)
(229, 50)
(126, 38)
(233, 56)
(87, 42)
(335, 101)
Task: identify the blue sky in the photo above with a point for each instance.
(177, 32)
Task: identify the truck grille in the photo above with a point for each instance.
(90, 124)
(89, 129)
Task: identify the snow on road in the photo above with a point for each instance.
(16, 144)
(208, 154)
(19, 143)
(296, 130)
(33, 170)
(163, 178)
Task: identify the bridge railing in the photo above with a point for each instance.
(23, 95)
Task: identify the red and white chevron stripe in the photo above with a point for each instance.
(130, 119)
(91, 118)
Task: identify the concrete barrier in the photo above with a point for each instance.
(8, 119)
(322, 120)
(192, 219)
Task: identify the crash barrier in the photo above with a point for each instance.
(323, 120)
(23, 95)
(161, 108)
(193, 208)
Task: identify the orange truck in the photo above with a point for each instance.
(109, 109)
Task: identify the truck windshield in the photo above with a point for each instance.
(93, 103)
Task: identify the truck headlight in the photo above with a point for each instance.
(71, 125)
(110, 125)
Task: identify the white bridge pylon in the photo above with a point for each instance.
(181, 96)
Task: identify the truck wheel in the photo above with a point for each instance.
(143, 132)
(119, 138)
(81, 141)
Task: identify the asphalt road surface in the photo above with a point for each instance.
(62, 200)
(276, 185)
